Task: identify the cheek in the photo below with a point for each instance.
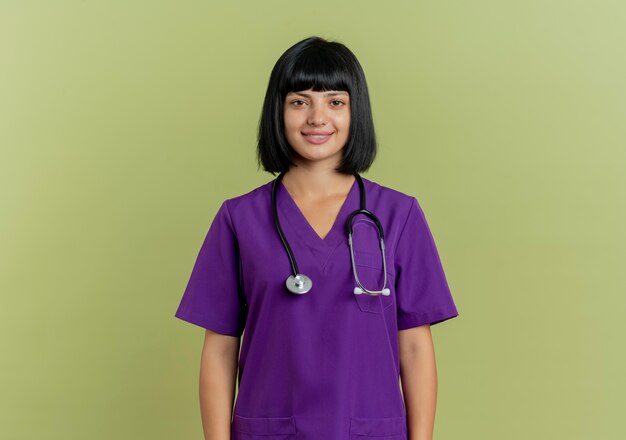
(343, 124)
(287, 120)
(291, 130)
(292, 121)
(343, 120)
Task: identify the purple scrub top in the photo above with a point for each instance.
(323, 365)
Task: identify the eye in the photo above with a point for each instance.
(337, 103)
(297, 102)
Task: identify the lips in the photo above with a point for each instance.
(317, 137)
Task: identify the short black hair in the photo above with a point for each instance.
(321, 65)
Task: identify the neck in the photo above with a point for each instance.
(314, 183)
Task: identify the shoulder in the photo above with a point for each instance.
(399, 208)
(390, 197)
(244, 204)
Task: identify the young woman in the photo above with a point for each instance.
(335, 278)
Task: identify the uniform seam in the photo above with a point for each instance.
(406, 221)
(230, 218)
(231, 225)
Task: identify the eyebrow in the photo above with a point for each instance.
(326, 94)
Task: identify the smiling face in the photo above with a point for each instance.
(317, 124)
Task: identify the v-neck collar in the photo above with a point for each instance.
(319, 247)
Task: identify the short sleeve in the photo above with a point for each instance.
(422, 292)
(213, 298)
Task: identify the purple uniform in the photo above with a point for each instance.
(323, 365)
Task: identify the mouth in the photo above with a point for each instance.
(317, 137)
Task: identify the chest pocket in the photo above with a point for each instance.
(369, 267)
(263, 428)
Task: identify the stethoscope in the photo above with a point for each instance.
(298, 282)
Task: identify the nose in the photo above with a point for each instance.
(317, 115)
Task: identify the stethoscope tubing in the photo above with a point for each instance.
(292, 259)
(299, 283)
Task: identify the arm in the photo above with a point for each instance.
(218, 375)
(418, 373)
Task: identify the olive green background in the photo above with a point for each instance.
(124, 124)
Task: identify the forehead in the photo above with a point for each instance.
(309, 93)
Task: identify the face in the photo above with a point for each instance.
(317, 125)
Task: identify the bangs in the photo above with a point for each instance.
(319, 70)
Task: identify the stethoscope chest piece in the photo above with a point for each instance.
(299, 284)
